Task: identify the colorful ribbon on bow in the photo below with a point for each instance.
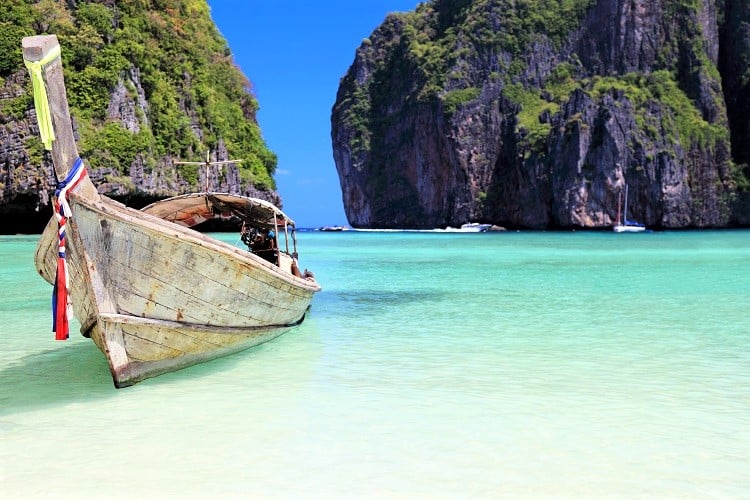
(61, 292)
(43, 115)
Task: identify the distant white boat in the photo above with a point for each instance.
(470, 227)
(624, 225)
(475, 227)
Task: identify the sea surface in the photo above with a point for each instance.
(432, 365)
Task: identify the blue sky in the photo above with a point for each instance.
(295, 52)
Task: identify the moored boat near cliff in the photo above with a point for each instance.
(623, 224)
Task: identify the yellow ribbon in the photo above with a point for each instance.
(41, 104)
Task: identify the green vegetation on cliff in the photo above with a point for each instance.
(682, 120)
(194, 95)
(433, 43)
(450, 49)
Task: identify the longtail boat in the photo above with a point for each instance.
(152, 293)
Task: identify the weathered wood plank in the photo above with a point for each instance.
(191, 279)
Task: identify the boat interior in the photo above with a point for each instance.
(264, 229)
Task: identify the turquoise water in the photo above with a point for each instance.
(433, 365)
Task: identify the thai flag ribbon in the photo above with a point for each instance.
(61, 304)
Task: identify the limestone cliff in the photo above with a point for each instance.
(535, 114)
(148, 83)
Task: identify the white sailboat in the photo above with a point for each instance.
(624, 225)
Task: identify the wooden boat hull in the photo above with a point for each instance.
(157, 297)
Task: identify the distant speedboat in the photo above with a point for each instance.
(623, 224)
(475, 227)
(332, 228)
(470, 227)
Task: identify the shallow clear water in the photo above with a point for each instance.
(433, 365)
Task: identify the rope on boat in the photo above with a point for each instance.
(61, 304)
(41, 104)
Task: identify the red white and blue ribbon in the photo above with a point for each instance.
(61, 304)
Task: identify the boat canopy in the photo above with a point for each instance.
(191, 209)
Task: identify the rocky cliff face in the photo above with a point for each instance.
(487, 110)
(151, 112)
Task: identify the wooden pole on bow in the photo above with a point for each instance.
(64, 150)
